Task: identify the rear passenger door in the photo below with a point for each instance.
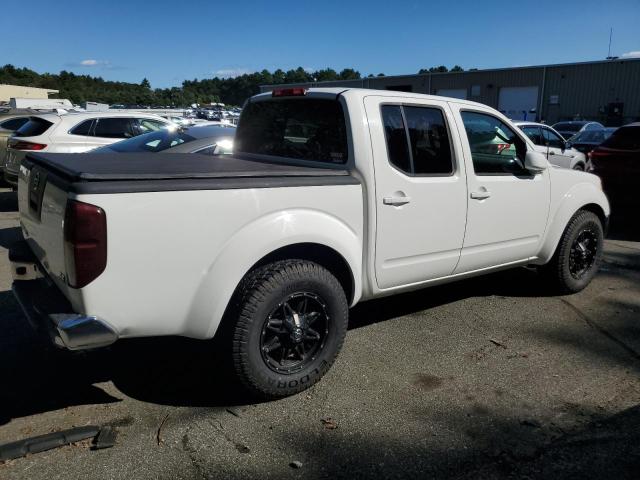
(420, 190)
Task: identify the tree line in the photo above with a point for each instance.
(229, 90)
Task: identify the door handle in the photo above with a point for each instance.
(480, 195)
(396, 201)
(552, 152)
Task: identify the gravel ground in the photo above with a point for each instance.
(487, 378)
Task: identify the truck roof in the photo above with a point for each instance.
(365, 92)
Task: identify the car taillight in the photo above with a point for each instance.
(289, 92)
(85, 242)
(20, 145)
(501, 147)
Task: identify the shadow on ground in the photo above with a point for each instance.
(8, 201)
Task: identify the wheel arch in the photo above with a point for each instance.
(318, 253)
(301, 234)
(582, 197)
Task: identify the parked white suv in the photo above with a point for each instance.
(549, 142)
(332, 196)
(74, 133)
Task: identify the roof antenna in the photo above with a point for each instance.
(609, 57)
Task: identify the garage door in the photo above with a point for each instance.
(453, 93)
(518, 103)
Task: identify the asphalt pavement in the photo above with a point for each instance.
(492, 377)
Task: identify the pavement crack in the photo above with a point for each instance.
(630, 350)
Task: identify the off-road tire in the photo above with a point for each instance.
(557, 271)
(258, 295)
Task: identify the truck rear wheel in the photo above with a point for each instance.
(578, 254)
(291, 320)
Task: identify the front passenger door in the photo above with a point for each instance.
(508, 205)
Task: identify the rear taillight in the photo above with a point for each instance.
(20, 145)
(85, 242)
(289, 92)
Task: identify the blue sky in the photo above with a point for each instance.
(170, 41)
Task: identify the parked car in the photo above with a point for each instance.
(74, 133)
(269, 247)
(569, 129)
(617, 162)
(9, 123)
(204, 139)
(587, 140)
(550, 143)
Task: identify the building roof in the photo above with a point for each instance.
(465, 72)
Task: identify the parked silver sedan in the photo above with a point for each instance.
(203, 139)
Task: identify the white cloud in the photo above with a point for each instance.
(90, 62)
(231, 72)
(634, 54)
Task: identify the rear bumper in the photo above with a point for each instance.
(49, 311)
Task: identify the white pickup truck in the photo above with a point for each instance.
(333, 197)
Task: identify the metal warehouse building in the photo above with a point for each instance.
(607, 91)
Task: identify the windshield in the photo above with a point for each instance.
(302, 128)
(568, 127)
(156, 141)
(589, 136)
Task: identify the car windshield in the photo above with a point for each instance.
(568, 126)
(589, 136)
(164, 139)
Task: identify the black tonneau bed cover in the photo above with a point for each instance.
(137, 172)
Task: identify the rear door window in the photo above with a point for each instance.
(34, 127)
(307, 129)
(113, 128)
(417, 139)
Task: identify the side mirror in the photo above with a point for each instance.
(535, 162)
(567, 145)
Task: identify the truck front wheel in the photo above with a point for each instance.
(290, 322)
(578, 254)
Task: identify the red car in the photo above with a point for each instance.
(617, 162)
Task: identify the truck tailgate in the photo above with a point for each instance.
(42, 208)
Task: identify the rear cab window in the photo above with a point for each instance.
(312, 129)
(34, 127)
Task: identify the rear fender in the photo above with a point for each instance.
(254, 242)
